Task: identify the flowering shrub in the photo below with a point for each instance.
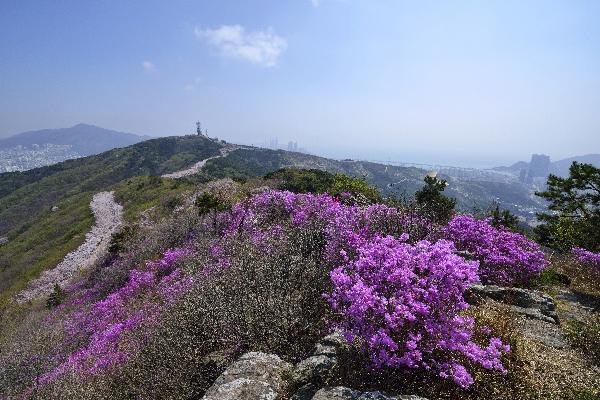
(268, 261)
(586, 257)
(403, 303)
(107, 326)
(345, 226)
(505, 257)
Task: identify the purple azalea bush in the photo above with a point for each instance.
(586, 257)
(506, 258)
(395, 289)
(403, 303)
(107, 327)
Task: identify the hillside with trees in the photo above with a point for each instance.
(312, 269)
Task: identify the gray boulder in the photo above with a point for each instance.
(314, 368)
(382, 396)
(253, 376)
(530, 303)
(306, 392)
(549, 334)
(314, 372)
(344, 393)
(321, 365)
(336, 393)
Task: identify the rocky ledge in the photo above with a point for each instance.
(253, 376)
(344, 393)
(266, 377)
(530, 303)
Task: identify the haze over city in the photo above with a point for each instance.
(460, 83)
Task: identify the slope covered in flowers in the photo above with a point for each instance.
(506, 258)
(389, 278)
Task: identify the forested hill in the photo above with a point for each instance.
(25, 194)
(39, 237)
(44, 212)
(390, 180)
(38, 189)
(84, 139)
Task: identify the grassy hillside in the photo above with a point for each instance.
(194, 284)
(44, 244)
(22, 192)
(40, 238)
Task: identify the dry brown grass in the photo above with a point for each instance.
(536, 371)
(585, 279)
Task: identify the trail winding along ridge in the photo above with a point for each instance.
(194, 169)
(109, 217)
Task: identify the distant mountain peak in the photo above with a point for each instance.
(83, 125)
(83, 139)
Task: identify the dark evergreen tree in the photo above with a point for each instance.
(504, 218)
(56, 297)
(574, 218)
(208, 202)
(432, 201)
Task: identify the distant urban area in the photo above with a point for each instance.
(21, 158)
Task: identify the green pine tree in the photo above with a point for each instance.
(433, 203)
(56, 297)
(574, 217)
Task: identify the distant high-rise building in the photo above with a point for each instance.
(539, 166)
(292, 146)
(274, 143)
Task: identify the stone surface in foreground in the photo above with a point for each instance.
(530, 303)
(344, 393)
(254, 376)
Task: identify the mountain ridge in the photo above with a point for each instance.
(84, 139)
(34, 230)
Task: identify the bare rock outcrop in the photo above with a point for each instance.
(311, 374)
(253, 376)
(344, 393)
(530, 303)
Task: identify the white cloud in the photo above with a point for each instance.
(260, 48)
(148, 66)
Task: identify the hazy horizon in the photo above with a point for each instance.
(461, 83)
(467, 160)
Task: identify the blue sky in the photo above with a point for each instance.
(455, 82)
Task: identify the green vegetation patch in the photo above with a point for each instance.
(39, 189)
(586, 336)
(44, 244)
(140, 193)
